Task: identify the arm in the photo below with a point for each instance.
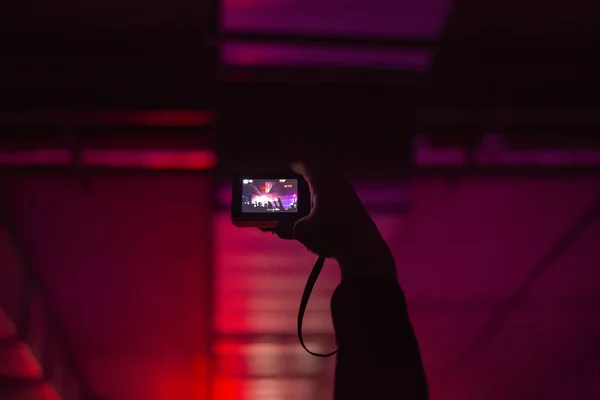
(378, 354)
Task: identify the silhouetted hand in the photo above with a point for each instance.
(338, 226)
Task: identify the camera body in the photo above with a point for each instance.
(263, 200)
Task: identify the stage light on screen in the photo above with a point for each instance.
(270, 195)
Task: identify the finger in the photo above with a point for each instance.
(285, 229)
(303, 228)
(310, 232)
(299, 168)
(318, 176)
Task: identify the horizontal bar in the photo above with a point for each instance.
(494, 150)
(328, 40)
(159, 160)
(166, 118)
(191, 160)
(259, 74)
(464, 115)
(37, 157)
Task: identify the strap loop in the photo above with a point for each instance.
(308, 288)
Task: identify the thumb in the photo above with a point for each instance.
(309, 231)
(319, 177)
(302, 229)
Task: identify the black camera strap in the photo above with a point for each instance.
(308, 288)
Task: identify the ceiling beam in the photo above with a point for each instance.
(326, 40)
(150, 118)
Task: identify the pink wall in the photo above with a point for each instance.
(463, 250)
(125, 258)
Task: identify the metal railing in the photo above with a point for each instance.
(24, 301)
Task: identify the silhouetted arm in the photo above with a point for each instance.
(378, 354)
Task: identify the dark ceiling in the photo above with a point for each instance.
(521, 52)
(92, 54)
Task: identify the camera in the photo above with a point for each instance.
(264, 200)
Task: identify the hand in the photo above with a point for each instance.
(339, 227)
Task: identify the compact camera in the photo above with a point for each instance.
(264, 200)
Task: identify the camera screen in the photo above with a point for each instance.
(269, 195)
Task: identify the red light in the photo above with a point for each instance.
(148, 118)
(166, 160)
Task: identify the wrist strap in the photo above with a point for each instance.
(310, 284)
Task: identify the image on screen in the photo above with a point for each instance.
(269, 195)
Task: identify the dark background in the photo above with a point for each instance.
(487, 60)
(130, 282)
